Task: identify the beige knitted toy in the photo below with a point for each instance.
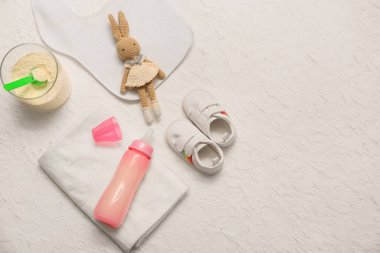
(139, 72)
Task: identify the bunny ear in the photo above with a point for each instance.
(115, 28)
(123, 24)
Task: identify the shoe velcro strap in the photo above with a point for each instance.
(180, 143)
(211, 110)
(190, 145)
(187, 143)
(202, 118)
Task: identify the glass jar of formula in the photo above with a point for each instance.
(20, 62)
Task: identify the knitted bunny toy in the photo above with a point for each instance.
(139, 72)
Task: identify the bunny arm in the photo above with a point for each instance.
(161, 73)
(123, 86)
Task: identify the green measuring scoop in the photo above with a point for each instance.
(25, 80)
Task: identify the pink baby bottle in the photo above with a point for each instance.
(114, 203)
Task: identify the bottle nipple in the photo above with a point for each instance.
(148, 136)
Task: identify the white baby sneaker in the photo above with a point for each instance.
(191, 144)
(210, 117)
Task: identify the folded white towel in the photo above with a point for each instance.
(82, 170)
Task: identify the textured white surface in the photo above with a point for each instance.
(300, 78)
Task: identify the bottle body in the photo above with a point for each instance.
(115, 201)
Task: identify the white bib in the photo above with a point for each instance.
(164, 37)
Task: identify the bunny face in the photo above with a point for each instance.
(127, 48)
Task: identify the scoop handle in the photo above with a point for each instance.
(18, 83)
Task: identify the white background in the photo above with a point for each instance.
(301, 81)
